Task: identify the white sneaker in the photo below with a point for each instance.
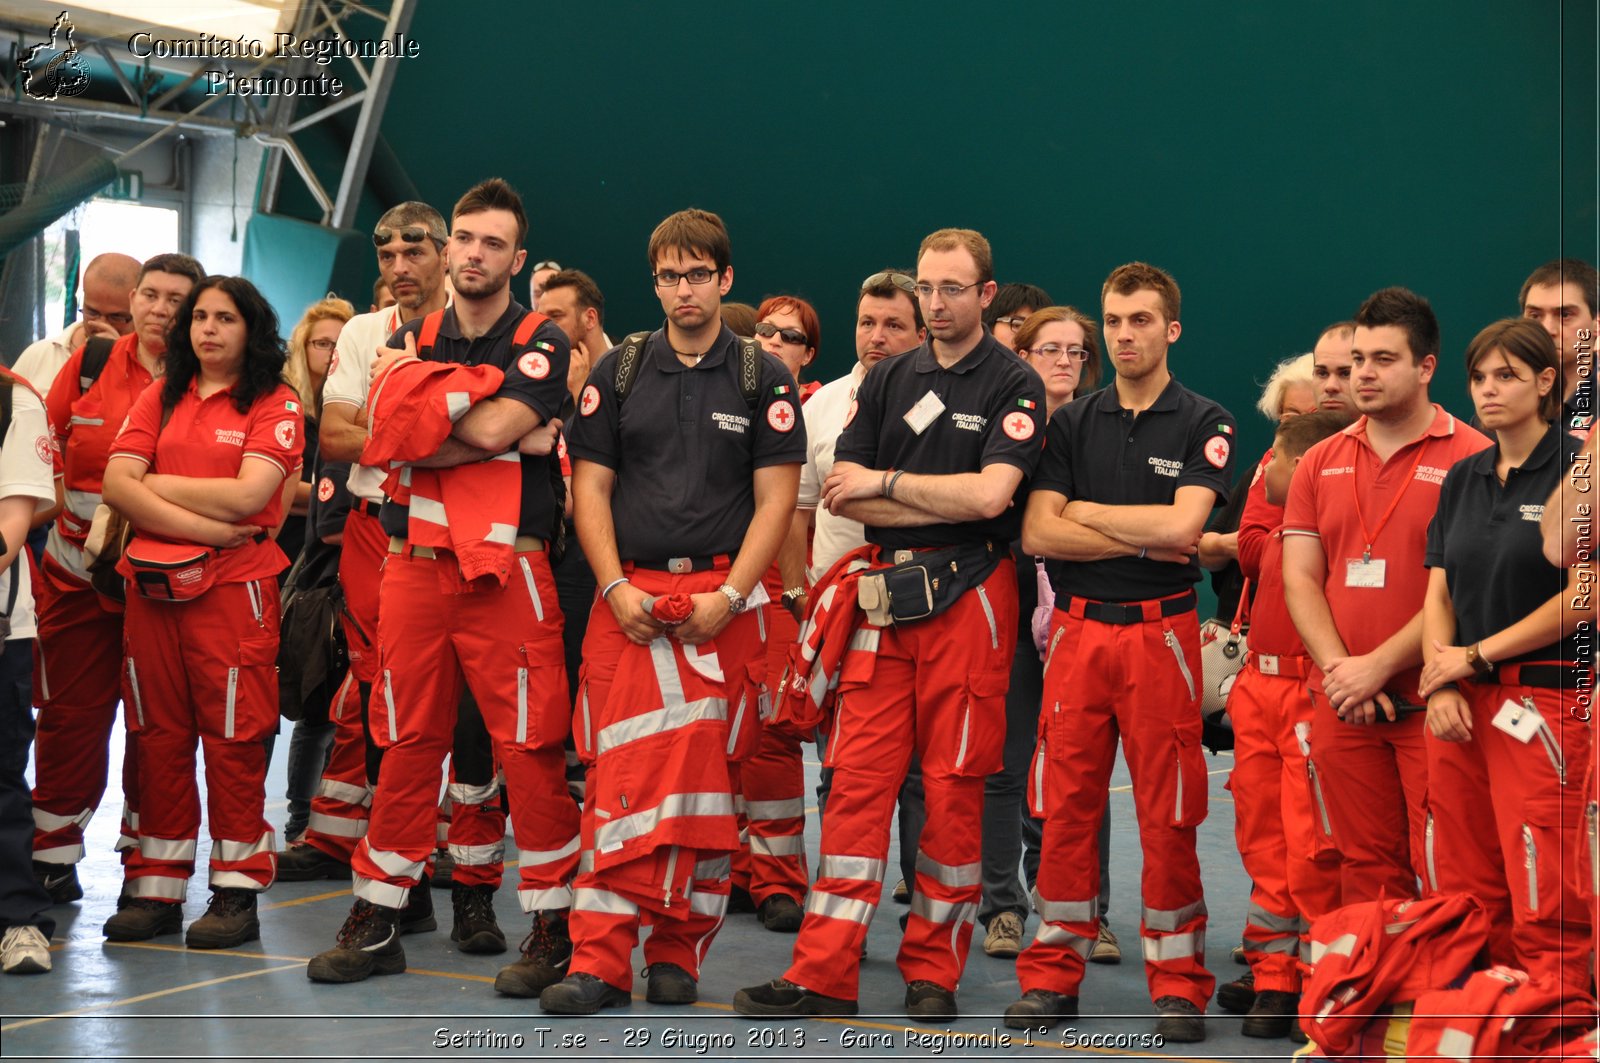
(24, 950)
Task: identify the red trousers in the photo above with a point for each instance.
(938, 691)
(1293, 868)
(340, 805)
(78, 682)
(436, 632)
(1374, 779)
(1138, 681)
(1525, 868)
(605, 923)
(203, 671)
(772, 785)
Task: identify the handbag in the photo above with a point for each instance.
(109, 533)
(312, 653)
(1222, 650)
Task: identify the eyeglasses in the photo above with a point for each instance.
(322, 345)
(947, 291)
(121, 320)
(889, 276)
(790, 335)
(1052, 352)
(411, 234)
(1013, 322)
(671, 278)
(551, 264)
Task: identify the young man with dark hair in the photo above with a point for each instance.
(934, 452)
(686, 455)
(467, 595)
(574, 302)
(1121, 535)
(1354, 535)
(1564, 297)
(1011, 307)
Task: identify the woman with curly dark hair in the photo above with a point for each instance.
(201, 470)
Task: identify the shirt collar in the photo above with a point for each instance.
(667, 361)
(927, 363)
(1442, 427)
(1543, 453)
(1110, 402)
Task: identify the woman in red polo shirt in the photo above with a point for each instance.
(200, 471)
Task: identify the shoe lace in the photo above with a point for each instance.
(229, 902)
(362, 914)
(542, 941)
(476, 906)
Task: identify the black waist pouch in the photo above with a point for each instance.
(926, 584)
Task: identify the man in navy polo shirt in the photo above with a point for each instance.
(934, 453)
(1128, 478)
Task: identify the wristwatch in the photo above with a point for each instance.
(735, 599)
(1480, 664)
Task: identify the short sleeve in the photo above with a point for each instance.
(137, 439)
(594, 434)
(64, 391)
(1257, 523)
(332, 500)
(1016, 423)
(780, 436)
(858, 440)
(536, 371)
(1209, 462)
(810, 481)
(1054, 472)
(276, 430)
(1441, 522)
(347, 375)
(26, 456)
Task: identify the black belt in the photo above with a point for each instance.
(366, 507)
(681, 565)
(1124, 612)
(1546, 676)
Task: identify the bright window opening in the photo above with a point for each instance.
(101, 225)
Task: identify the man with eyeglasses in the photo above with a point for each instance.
(1128, 479)
(935, 449)
(683, 486)
(1012, 305)
(107, 289)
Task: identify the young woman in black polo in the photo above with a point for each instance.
(1499, 669)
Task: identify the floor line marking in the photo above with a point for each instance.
(77, 1012)
(306, 900)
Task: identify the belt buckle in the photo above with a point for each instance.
(678, 566)
(1267, 664)
(902, 556)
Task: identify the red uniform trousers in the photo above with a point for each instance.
(1525, 869)
(435, 630)
(1293, 867)
(206, 670)
(78, 668)
(1136, 680)
(772, 787)
(938, 691)
(605, 923)
(472, 819)
(1374, 778)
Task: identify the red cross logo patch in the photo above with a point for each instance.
(284, 434)
(41, 447)
(324, 489)
(850, 414)
(590, 401)
(1216, 451)
(780, 415)
(1018, 425)
(534, 365)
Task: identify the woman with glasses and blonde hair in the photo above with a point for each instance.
(1061, 344)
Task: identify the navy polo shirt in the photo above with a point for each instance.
(685, 446)
(993, 410)
(536, 376)
(330, 500)
(1486, 538)
(1097, 451)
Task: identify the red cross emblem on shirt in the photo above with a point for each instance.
(780, 415)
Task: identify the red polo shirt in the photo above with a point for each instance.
(1341, 493)
(1261, 560)
(210, 438)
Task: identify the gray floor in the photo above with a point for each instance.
(158, 1000)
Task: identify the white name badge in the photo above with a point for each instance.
(1518, 721)
(1359, 573)
(924, 413)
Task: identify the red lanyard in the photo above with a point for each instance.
(1355, 496)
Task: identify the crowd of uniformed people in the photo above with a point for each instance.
(609, 589)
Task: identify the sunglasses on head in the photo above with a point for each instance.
(790, 335)
(899, 280)
(411, 234)
(551, 264)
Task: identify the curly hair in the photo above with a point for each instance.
(264, 354)
(297, 371)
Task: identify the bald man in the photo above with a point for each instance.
(108, 284)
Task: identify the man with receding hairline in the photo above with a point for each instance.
(108, 283)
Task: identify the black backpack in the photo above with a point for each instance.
(749, 367)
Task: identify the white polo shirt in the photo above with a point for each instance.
(39, 362)
(26, 469)
(348, 381)
(825, 413)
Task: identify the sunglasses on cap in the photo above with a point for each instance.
(889, 276)
(790, 335)
(411, 234)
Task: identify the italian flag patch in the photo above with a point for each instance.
(1027, 404)
(1225, 429)
(782, 389)
(291, 405)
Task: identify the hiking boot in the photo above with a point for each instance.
(444, 870)
(475, 928)
(902, 893)
(1004, 939)
(582, 994)
(229, 922)
(417, 916)
(930, 1001)
(781, 914)
(304, 862)
(368, 944)
(144, 918)
(667, 983)
(24, 950)
(1041, 1008)
(1106, 948)
(1180, 1020)
(60, 881)
(1274, 1015)
(546, 952)
(1239, 995)
(781, 997)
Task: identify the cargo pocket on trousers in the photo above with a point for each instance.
(749, 706)
(980, 737)
(1189, 799)
(250, 693)
(1544, 835)
(541, 696)
(583, 719)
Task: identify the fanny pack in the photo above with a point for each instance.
(172, 572)
(925, 584)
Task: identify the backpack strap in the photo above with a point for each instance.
(430, 332)
(750, 372)
(628, 363)
(96, 353)
(527, 327)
